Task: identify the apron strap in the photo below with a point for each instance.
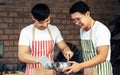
(50, 33)
(93, 22)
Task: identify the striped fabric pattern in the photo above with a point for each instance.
(89, 51)
(39, 49)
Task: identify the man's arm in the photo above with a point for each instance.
(24, 55)
(65, 49)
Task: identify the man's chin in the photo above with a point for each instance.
(42, 28)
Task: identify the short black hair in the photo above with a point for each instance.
(40, 11)
(80, 7)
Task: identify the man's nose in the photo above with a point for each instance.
(43, 24)
(76, 23)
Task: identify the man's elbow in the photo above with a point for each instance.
(20, 58)
(104, 59)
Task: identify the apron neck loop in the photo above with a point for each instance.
(33, 36)
(93, 22)
(33, 33)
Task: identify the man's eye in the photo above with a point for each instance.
(72, 20)
(78, 19)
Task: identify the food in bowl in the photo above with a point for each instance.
(59, 66)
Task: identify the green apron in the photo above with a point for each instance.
(89, 52)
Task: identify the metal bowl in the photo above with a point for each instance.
(59, 66)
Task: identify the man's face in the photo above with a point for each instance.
(42, 24)
(79, 19)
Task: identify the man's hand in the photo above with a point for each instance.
(68, 54)
(72, 69)
(45, 62)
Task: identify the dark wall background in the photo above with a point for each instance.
(15, 14)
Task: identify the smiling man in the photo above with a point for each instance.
(95, 41)
(37, 41)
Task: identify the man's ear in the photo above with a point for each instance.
(88, 13)
(32, 17)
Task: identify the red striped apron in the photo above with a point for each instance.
(39, 49)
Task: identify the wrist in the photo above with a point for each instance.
(38, 60)
(64, 49)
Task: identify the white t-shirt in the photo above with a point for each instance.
(100, 36)
(26, 35)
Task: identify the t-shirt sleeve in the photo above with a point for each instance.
(103, 37)
(58, 35)
(23, 38)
